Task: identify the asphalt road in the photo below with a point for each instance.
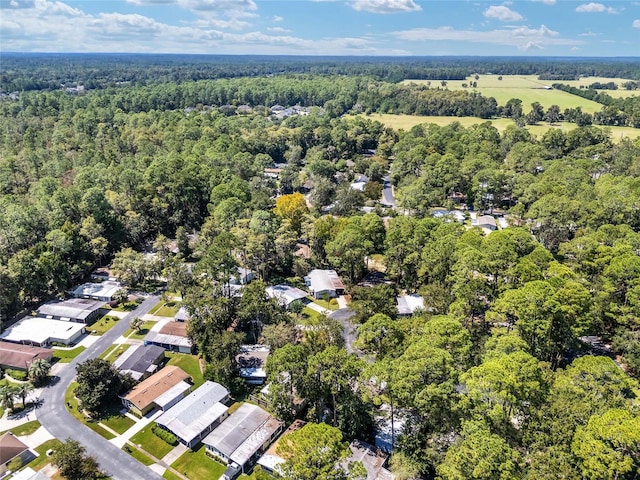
(387, 192)
(343, 316)
(54, 416)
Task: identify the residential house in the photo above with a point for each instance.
(196, 415)
(10, 448)
(286, 294)
(242, 276)
(486, 222)
(140, 361)
(103, 291)
(29, 473)
(182, 315)
(252, 360)
(270, 461)
(161, 390)
(43, 332)
(79, 310)
(171, 336)
(323, 283)
(20, 357)
(243, 437)
(372, 460)
(387, 431)
(409, 304)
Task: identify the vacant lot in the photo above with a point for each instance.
(527, 88)
(406, 122)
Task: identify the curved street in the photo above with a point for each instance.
(53, 414)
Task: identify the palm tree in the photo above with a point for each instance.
(7, 393)
(23, 390)
(39, 371)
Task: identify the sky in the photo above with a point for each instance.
(323, 27)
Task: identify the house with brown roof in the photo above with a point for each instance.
(161, 390)
(20, 357)
(10, 448)
(170, 336)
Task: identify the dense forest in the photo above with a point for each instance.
(493, 379)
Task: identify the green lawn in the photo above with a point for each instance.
(65, 356)
(196, 464)
(188, 363)
(24, 429)
(153, 444)
(138, 455)
(332, 304)
(42, 459)
(72, 406)
(309, 313)
(146, 326)
(165, 309)
(103, 325)
(169, 475)
(112, 354)
(118, 422)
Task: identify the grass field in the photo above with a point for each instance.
(188, 363)
(103, 325)
(138, 455)
(24, 429)
(73, 408)
(196, 464)
(165, 309)
(525, 87)
(65, 356)
(406, 122)
(150, 442)
(146, 326)
(42, 459)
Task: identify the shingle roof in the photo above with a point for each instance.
(196, 412)
(22, 356)
(145, 393)
(137, 359)
(10, 447)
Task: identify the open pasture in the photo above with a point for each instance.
(406, 122)
(525, 87)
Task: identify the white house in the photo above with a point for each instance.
(324, 283)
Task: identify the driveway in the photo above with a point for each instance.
(53, 414)
(388, 197)
(343, 315)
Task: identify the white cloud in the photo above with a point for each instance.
(636, 24)
(278, 30)
(151, 2)
(595, 8)
(548, 2)
(502, 13)
(589, 34)
(231, 24)
(219, 5)
(385, 6)
(523, 38)
(278, 18)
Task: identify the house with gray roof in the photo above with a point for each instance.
(140, 361)
(195, 416)
(324, 283)
(79, 310)
(243, 437)
(103, 291)
(407, 305)
(285, 294)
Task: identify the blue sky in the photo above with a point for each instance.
(323, 27)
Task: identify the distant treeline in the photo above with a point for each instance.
(23, 72)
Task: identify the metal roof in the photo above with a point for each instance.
(98, 289)
(243, 433)
(41, 330)
(408, 304)
(157, 337)
(170, 395)
(321, 280)
(286, 294)
(196, 412)
(74, 308)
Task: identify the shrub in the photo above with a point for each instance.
(168, 437)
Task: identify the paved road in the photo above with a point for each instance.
(54, 415)
(343, 315)
(387, 192)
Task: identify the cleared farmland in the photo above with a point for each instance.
(525, 87)
(406, 122)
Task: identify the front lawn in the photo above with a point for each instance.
(24, 429)
(188, 363)
(72, 406)
(117, 421)
(165, 309)
(169, 475)
(139, 335)
(196, 464)
(111, 354)
(153, 444)
(65, 356)
(138, 455)
(42, 459)
(103, 325)
(331, 304)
